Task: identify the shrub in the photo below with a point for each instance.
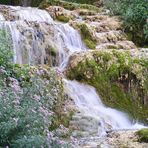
(26, 112)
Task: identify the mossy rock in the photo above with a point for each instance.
(87, 12)
(63, 18)
(143, 135)
(87, 35)
(120, 79)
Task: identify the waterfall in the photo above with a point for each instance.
(34, 34)
(89, 102)
(69, 41)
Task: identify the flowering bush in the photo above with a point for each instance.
(26, 112)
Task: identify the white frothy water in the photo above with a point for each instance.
(69, 41)
(31, 14)
(1, 17)
(88, 101)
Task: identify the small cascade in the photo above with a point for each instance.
(37, 39)
(69, 41)
(31, 14)
(90, 104)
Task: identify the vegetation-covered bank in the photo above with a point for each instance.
(120, 79)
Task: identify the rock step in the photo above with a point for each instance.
(112, 36)
(118, 45)
(83, 125)
(106, 25)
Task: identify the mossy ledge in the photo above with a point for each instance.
(120, 79)
(67, 5)
(143, 135)
(63, 18)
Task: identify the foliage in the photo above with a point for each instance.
(143, 135)
(120, 79)
(134, 14)
(26, 112)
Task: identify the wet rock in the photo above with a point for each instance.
(84, 125)
(127, 139)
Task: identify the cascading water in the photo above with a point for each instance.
(88, 101)
(1, 17)
(34, 34)
(69, 41)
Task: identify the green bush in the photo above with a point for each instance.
(26, 112)
(134, 14)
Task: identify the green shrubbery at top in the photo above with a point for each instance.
(135, 16)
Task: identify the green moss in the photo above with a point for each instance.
(120, 79)
(90, 44)
(87, 12)
(87, 36)
(67, 5)
(143, 135)
(63, 18)
(53, 51)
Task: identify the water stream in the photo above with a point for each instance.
(34, 33)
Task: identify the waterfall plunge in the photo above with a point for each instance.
(33, 31)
